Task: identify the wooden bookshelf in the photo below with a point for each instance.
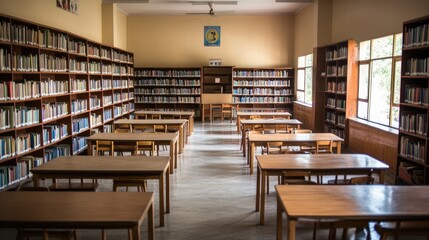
(264, 88)
(337, 85)
(217, 79)
(168, 89)
(413, 141)
(52, 94)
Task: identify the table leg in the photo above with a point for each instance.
(136, 232)
(161, 199)
(181, 139)
(291, 229)
(35, 180)
(258, 189)
(238, 124)
(90, 148)
(262, 195)
(167, 190)
(172, 156)
(279, 220)
(251, 156)
(243, 141)
(338, 147)
(191, 125)
(175, 153)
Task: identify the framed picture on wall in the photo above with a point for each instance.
(212, 36)
(69, 5)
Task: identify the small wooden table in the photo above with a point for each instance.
(179, 123)
(158, 138)
(248, 115)
(108, 167)
(319, 164)
(289, 139)
(104, 210)
(189, 115)
(350, 202)
(248, 124)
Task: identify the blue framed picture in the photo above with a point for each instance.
(212, 36)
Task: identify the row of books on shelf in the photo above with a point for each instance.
(79, 105)
(262, 91)
(20, 116)
(54, 110)
(5, 61)
(77, 85)
(339, 119)
(416, 36)
(410, 173)
(20, 171)
(412, 148)
(173, 91)
(19, 90)
(265, 99)
(417, 67)
(46, 38)
(168, 82)
(338, 87)
(54, 132)
(51, 87)
(80, 125)
(167, 73)
(336, 71)
(416, 95)
(25, 62)
(262, 83)
(335, 54)
(165, 99)
(53, 63)
(11, 146)
(95, 119)
(414, 123)
(261, 73)
(336, 103)
(79, 144)
(337, 131)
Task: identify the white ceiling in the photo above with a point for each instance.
(183, 7)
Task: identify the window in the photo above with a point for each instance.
(379, 80)
(305, 79)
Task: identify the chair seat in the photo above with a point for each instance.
(141, 185)
(74, 186)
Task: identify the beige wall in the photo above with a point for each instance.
(87, 23)
(304, 32)
(108, 23)
(246, 41)
(366, 19)
(120, 30)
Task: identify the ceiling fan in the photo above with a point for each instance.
(211, 12)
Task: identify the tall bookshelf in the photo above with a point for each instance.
(168, 88)
(264, 88)
(56, 88)
(413, 141)
(338, 80)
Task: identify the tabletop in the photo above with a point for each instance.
(132, 137)
(302, 137)
(271, 121)
(77, 210)
(184, 113)
(151, 121)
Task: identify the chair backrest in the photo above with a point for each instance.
(301, 131)
(361, 180)
(122, 130)
(123, 127)
(323, 147)
(160, 128)
(103, 146)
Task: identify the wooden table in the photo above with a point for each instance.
(248, 124)
(317, 164)
(104, 210)
(189, 115)
(158, 138)
(289, 139)
(248, 115)
(108, 167)
(177, 123)
(350, 202)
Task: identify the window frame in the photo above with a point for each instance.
(308, 70)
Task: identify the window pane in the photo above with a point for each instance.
(301, 61)
(362, 110)
(395, 117)
(309, 60)
(364, 50)
(379, 105)
(300, 96)
(363, 81)
(398, 45)
(397, 83)
(301, 73)
(382, 47)
(308, 85)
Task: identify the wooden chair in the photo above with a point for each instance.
(160, 128)
(101, 147)
(71, 185)
(403, 228)
(123, 147)
(323, 147)
(227, 109)
(28, 233)
(215, 110)
(123, 127)
(143, 146)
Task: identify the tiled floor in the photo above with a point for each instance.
(212, 195)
